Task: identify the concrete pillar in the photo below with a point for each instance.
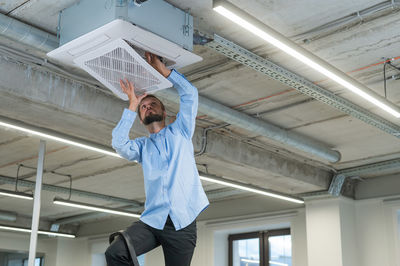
(331, 232)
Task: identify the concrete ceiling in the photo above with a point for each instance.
(35, 95)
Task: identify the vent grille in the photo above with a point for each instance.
(118, 60)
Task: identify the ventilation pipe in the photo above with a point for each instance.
(74, 192)
(249, 123)
(26, 34)
(8, 216)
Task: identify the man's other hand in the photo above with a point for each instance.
(156, 63)
(129, 89)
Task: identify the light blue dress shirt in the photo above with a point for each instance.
(171, 178)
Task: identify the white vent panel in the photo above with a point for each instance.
(175, 56)
(117, 60)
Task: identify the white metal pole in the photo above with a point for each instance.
(36, 204)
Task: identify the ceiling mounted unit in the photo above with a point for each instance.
(108, 39)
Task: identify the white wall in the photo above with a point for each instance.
(323, 233)
(20, 242)
(73, 252)
(57, 251)
(97, 248)
(348, 222)
(378, 232)
(398, 233)
(345, 232)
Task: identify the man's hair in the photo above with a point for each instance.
(149, 96)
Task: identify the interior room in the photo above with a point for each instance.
(295, 131)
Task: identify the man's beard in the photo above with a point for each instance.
(152, 118)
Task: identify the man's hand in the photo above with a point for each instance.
(155, 62)
(129, 90)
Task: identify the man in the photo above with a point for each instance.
(174, 194)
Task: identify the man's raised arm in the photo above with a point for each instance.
(186, 118)
(189, 97)
(129, 149)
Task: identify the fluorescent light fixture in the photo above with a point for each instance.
(249, 188)
(63, 140)
(16, 194)
(266, 33)
(27, 230)
(94, 208)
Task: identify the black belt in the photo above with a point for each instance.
(128, 243)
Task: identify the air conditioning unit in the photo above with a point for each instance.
(108, 39)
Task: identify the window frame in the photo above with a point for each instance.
(267, 235)
(263, 237)
(41, 260)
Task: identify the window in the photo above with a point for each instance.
(398, 224)
(38, 262)
(17, 258)
(267, 248)
(141, 260)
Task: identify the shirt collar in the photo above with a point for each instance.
(160, 133)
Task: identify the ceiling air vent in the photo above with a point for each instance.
(118, 60)
(115, 51)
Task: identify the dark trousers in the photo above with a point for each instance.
(178, 246)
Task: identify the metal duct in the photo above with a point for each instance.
(26, 34)
(8, 216)
(335, 188)
(38, 39)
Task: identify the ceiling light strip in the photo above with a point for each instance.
(249, 188)
(27, 230)
(94, 208)
(15, 194)
(262, 65)
(266, 33)
(59, 139)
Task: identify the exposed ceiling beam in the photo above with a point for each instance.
(362, 188)
(371, 168)
(276, 167)
(384, 186)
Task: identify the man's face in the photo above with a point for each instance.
(151, 111)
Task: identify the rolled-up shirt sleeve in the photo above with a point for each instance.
(128, 149)
(189, 97)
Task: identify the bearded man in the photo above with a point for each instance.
(174, 194)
